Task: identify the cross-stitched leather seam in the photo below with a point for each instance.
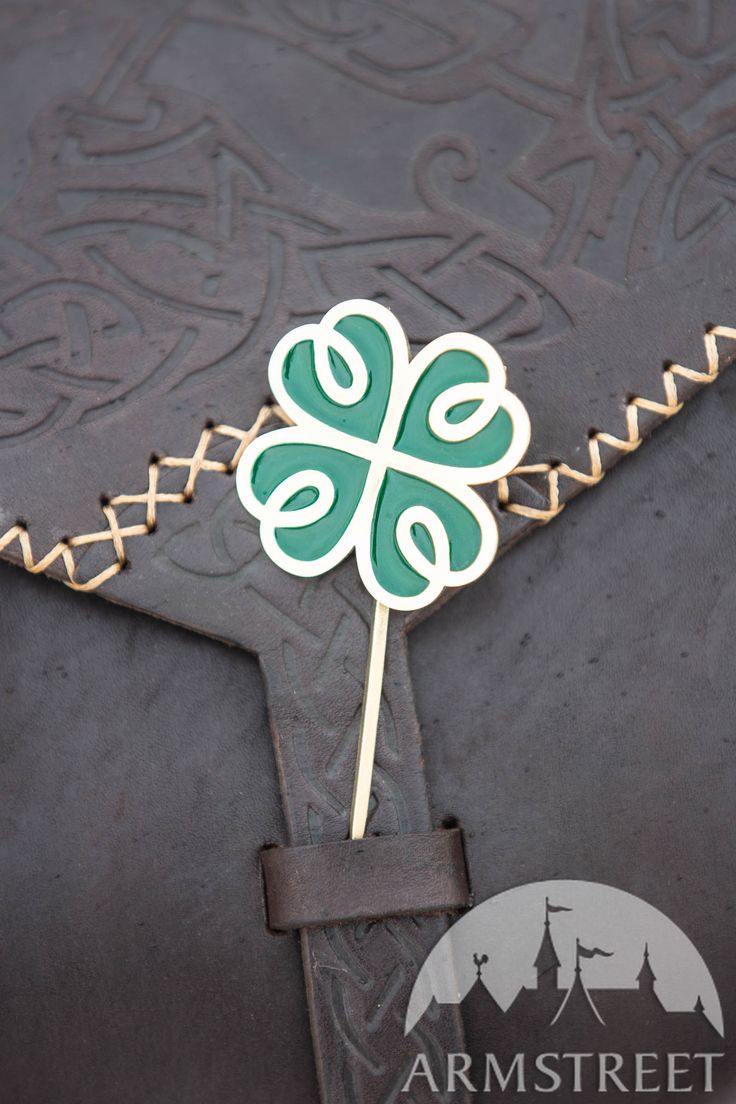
(553, 473)
(150, 499)
(212, 435)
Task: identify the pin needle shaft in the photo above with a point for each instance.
(369, 721)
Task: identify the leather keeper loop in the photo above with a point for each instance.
(368, 879)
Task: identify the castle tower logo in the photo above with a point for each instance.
(569, 987)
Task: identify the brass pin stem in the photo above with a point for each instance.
(369, 721)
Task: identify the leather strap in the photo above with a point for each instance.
(370, 879)
(359, 975)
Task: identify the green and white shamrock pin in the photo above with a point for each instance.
(382, 459)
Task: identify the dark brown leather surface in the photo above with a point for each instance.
(558, 178)
(138, 787)
(370, 879)
(555, 764)
(554, 177)
(596, 739)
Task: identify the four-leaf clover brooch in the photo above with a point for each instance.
(383, 454)
(382, 458)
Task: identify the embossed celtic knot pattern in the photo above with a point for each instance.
(558, 179)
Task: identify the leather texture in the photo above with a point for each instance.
(556, 177)
(370, 879)
(138, 788)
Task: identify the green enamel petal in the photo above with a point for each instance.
(365, 417)
(415, 436)
(348, 474)
(398, 492)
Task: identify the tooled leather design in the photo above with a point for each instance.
(158, 248)
(161, 246)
